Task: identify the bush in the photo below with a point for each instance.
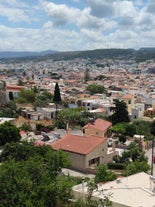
(117, 166)
(103, 174)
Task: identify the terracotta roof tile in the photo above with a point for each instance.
(78, 144)
(127, 96)
(99, 124)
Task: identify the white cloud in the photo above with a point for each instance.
(102, 8)
(14, 15)
(86, 20)
(117, 23)
(151, 7)
(61, 13)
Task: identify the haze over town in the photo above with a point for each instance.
(76, 24)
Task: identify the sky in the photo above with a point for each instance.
(69, 25)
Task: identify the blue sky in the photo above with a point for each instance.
(67, 25)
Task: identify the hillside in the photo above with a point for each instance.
(140, 55)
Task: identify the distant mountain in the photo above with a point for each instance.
(140, 55)
(9, 54)
(149, 49)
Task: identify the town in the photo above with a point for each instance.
(101, 112)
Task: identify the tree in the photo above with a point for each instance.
(136, 167)
(134, 153)
(94, 88)
(57, 96)
(142, 127)
(30, 176)
(89, 201)
(43, 99)
(125, 129)
(26, 96)
(152, 131)
(86, 75)
(8, 133)
(10, 110)
(73, 117)
(122, 138)
(120, 112)
(11, 97)
(103, 174)
(152, 128)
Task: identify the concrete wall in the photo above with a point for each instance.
(101, 152)
(81, 162)
(95, 132)
(77, 160)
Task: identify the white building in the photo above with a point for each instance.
(137, 190)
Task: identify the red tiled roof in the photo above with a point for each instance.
(78, 144)
(14, 87)
(99, 124)
(127, 96)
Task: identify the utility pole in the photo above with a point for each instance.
(152, 161)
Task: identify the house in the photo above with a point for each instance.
(130, 102)
(85, 152)
(14, 89)
(136, 190)
(98, 127)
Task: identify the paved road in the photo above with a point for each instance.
(149, 155)
(76, 173)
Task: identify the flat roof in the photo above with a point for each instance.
(137, 190)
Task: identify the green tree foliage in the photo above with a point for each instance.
(73, 117)
(86, 75)
(57, 95)
(120, 112)
(103, 174)
(136, 167)
(30, 176)
(9, 110)
(26, 96)
(134, 153)
(142, 128)
(26, 127)
(88, 201)
(125, 129)
(11, 97)
(94, 88)
(122, 138)
(43, 99)
(8, 133)
(152, 128)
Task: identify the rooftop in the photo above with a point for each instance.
(135, 191)
(99, 124)
(78, 144)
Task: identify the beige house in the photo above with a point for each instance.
(130, 102)
(98, 127)
(85, 152)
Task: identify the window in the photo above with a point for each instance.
(94, 161)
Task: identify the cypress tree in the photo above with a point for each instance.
(57, 97)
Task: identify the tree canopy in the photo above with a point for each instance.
(57, 95)
(8, 133)
(26, 96)
(43, 99)
(103, 174)
(120, 112)
(94, 88)
(31, 176)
